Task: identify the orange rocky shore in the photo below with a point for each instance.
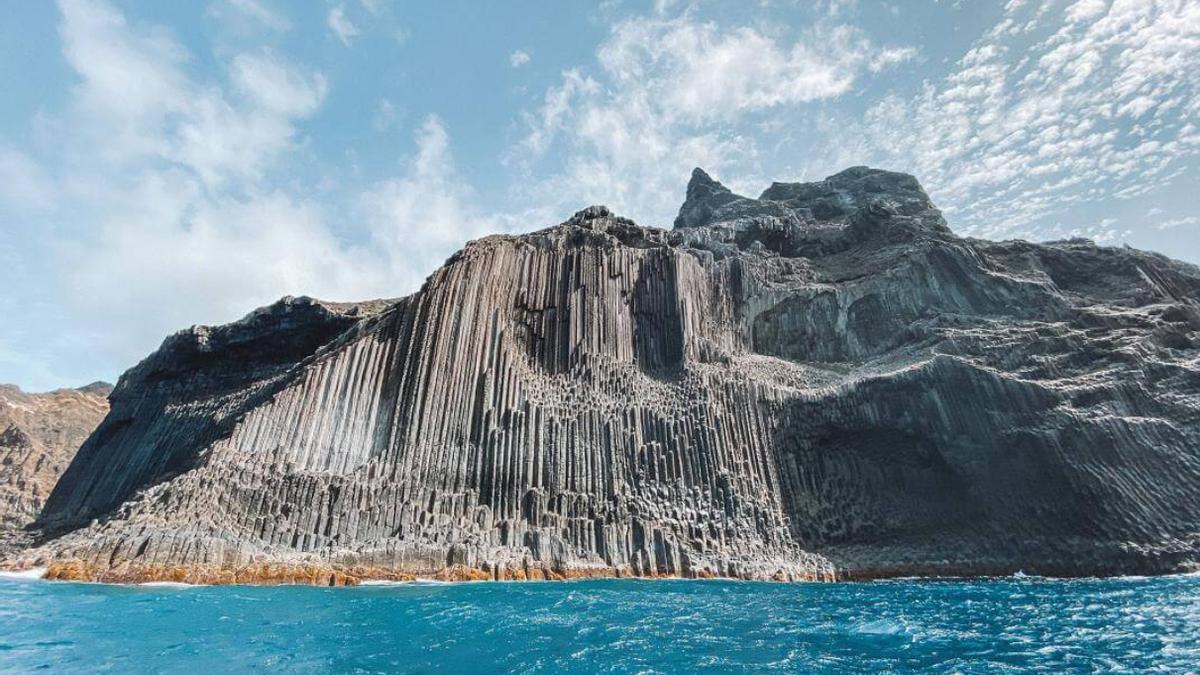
(316, 574)
(268, 574)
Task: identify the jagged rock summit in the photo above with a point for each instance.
(821, 383)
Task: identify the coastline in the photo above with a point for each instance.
(667, 625)
(282, 574)
(275, 574)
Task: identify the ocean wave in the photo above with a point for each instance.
(432, 626)
(35, 573)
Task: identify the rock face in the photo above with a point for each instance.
(39, 435)
(824, 382)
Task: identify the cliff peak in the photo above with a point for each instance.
(594, 212)
(705, 196)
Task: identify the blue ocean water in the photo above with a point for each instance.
(607, 626)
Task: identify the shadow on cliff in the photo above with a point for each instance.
(154, 431)
(946, 466)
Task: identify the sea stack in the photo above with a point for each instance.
(823, 383)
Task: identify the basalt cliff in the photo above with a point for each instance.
(821, 383)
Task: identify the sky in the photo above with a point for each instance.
(170, 164)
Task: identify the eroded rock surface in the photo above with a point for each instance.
(824, 382)
(39, 435)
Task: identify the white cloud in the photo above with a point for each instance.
(891, 56)
(1054, 107)
(277, 86)
(176, 221)
(179, 204)
(518, 58)
(129, 80)
(422, 217)
(387, 115)
(374, 6)
(340, 24)
(167, 257)
(704, 73)
(135, 105)
(1086, 10)
(261, 13)
(1178, 222)
(24, 184)
(664, 6)
(668, 95)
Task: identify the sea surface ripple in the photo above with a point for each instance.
(616, 626)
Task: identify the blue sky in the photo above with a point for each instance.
(166, 164)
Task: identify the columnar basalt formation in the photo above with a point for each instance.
(39, 435)
(824, 382)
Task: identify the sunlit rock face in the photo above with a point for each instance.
(39, 435)
(824, 382)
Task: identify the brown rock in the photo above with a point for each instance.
(39, 435)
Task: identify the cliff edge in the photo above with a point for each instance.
(821, 383)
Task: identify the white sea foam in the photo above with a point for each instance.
(168, 584)
(31, 573)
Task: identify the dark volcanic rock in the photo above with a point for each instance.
(824, 382)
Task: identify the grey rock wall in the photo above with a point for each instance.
(824, 382)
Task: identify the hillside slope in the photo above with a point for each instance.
(39, 435)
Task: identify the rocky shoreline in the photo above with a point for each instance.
(278, 574)
(272, 574)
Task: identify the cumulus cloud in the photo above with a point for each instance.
(163, 197)
(421, 217)
(666, 94)
(1055, 106)
(891, 56)
(704, 73)
(134, 104)
(175, 206)
(170, 258)
(177, 221)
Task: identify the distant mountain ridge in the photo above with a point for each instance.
(39, 435)
(821, 383)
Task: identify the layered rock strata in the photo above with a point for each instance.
(821, 383)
